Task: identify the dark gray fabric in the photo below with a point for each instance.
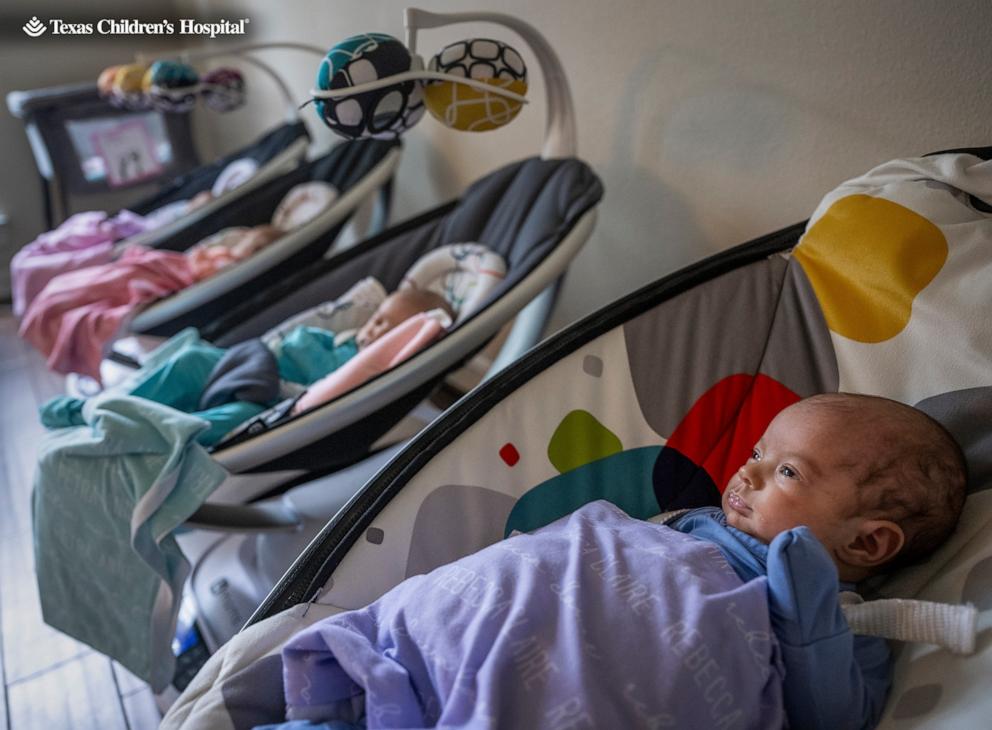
(800, 353)
(247, 372)
(452, 516)
(760, 318)
(254, 696)
(967, 414)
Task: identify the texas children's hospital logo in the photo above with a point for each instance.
(133, 26)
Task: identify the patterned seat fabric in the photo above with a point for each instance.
(887, 292)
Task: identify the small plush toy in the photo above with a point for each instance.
(127, 90)
(171, 86)
(105, 82)
(223, 89)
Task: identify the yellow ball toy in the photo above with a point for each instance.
(128, 90)
(469, 109)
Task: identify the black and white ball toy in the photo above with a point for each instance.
(383, 113)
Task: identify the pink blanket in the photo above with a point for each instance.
(85, 239)
(78, 313)
(405, 340)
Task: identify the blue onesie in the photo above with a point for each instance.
(834, 680)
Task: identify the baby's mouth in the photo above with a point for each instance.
(737, 504)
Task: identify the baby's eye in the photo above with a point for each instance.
(755, 455)
(787, 471)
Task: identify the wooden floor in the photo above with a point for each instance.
(49, 680)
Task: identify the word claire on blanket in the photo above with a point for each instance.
(532, 661)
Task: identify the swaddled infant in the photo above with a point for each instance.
(228, 387)
(299, 206)
(726, 617)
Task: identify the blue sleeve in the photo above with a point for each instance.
(833, 679)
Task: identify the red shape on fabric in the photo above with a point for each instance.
(724, 424)
(509, 454)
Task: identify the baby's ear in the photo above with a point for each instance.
(877, 542)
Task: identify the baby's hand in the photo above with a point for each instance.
(802, 588)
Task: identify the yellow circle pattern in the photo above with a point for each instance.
(129, 78)
(867, 259)
(473, 110)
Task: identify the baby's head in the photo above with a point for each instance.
(399, 307)
(878, 482)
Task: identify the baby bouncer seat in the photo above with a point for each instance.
(653, 401)
(533, 214)
(115, 138)
(243, 188)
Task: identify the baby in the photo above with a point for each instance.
(396, 309)
(601, 620)
(226, 388)
(879, 485)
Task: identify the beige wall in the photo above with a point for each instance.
(709, 122)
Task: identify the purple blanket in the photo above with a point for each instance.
(598, 620)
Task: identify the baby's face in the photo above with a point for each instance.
(395, 309)
(801, 472)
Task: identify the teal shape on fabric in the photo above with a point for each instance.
(345, 52)
(62, 411)
(623, 479)
(580, 439)
(225, 418)
(306, 354)
(179, 381)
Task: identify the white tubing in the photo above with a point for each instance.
(948, 625)
(414, 76)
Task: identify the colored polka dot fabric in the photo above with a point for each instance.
(887, 292)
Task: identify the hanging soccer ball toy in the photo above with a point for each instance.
(223, 89)
(384, 113)
(171, 86)
(127, 90)
(465, 107)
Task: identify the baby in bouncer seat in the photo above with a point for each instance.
(226, 387)
(579, 624)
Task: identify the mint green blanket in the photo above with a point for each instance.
(107, 497)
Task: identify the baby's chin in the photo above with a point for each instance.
(737, 520)
(733, 519)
